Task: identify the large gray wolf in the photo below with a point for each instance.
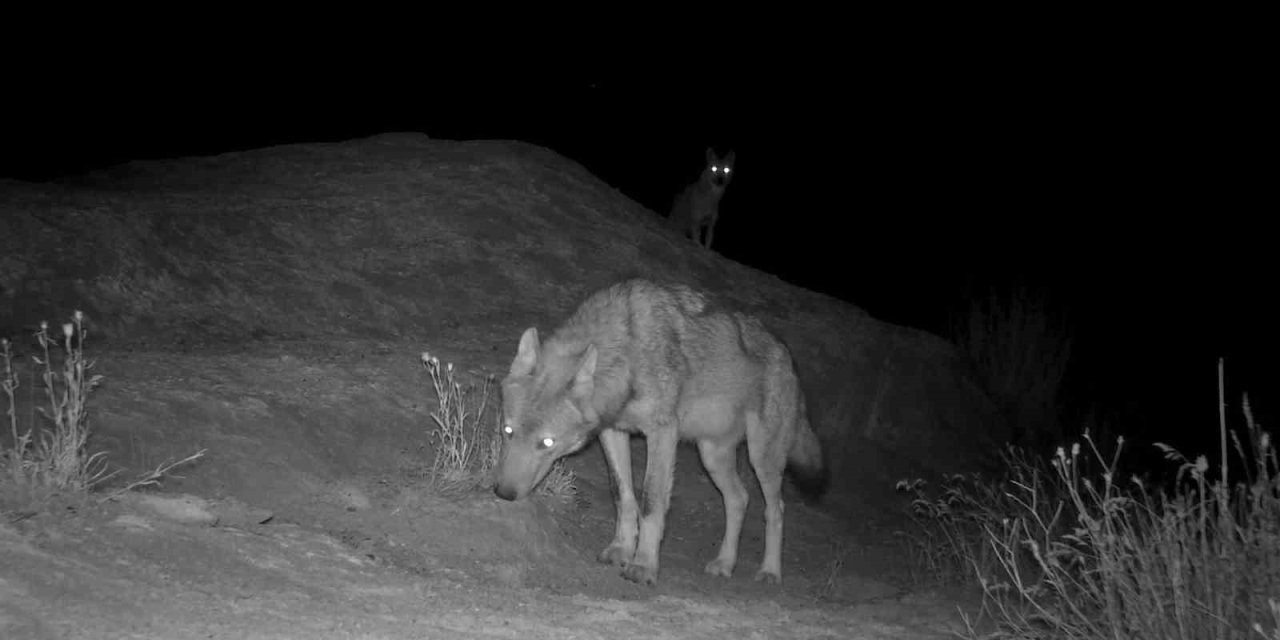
(697, 208)
(663, 361)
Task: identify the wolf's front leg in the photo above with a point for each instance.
(659, 470)
(617, 450)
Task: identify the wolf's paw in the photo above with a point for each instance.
(719, 567)
(615, 554)
(641, 574)
(768, 577)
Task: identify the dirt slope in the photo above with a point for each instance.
(270, 306)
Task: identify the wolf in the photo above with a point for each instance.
(666, 362)
(697, 208)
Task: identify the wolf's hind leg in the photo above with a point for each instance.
(768, 453)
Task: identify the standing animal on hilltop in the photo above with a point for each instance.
(697, 208)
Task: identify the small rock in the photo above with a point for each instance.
(509, 575)
(233, 513)
(187, 509)
(130, 521)
(352, 498)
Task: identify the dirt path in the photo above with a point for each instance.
(311, 517)
(131, 570)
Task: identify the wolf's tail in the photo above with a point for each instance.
(807, 463)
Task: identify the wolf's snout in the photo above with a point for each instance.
(505, 492)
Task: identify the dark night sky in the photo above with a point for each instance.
(1123, 183)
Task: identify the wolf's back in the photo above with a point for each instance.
(647, 329)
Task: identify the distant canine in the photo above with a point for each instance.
(665, 362)
(696, 209)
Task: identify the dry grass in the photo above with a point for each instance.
(41, 462)
(830, 586)
(949, 540)
(56, 459)
(1073, 550)
(467, 445)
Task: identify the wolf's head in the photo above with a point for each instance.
(546, 399)
(719, 169)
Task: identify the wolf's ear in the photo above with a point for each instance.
(729, 158)
(584, 380)
(711, 155)
(527, 354)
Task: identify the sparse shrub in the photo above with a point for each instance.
(57, 459)
(829, 589)
(463, 446)
(560, 484)
(466, 451)
(1018, 350)
(950, 540)
(1080, 552)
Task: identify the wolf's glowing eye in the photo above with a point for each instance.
(547, 443)
(506, 429)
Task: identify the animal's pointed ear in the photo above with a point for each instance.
(730, 158)
(527, 354)
(584, 380)
(711, 155)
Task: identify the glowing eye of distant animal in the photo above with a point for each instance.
(506, 429)
(728, 170)
(546, 443)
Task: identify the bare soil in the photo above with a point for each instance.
(312, 517)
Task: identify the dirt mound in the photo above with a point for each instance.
(452, 244)
(270, 307)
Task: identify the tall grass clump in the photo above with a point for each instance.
(1018, 350)
(1081, 552)
(57, 458)
(467, 444)
(949, 541)
(40, 462)
(465, 450)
